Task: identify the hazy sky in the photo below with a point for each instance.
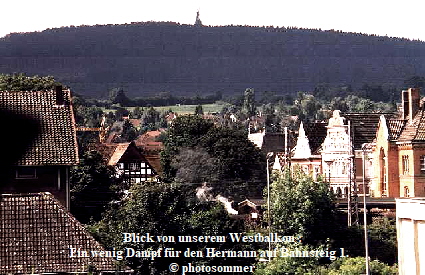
(392, 18)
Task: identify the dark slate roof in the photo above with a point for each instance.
(37, 233)
(364, 126)
(273, 142)
(316, 133)
(56, 142)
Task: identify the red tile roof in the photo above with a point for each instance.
(148, 142)
(395, 127)
(113, 152)
(135, 122)
(120, 149)
(37, 233)
(414, 130)
(56, 144)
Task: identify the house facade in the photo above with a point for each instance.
(306, 155)
(130, 163)
(339, 150)
(399, 153)
(42, 145)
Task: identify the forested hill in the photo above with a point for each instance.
(146, 58)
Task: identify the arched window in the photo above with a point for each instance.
(339, 192)
(383, 172)
(406, 192)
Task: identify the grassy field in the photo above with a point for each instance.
(185, 109)
(190, 109)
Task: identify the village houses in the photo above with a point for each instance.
(381, 152)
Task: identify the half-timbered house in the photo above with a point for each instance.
(130, 163)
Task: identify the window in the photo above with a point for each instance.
(422, 163)
(26, 173)
(344, 168)
(316, 172)
(134, 166)
(405, 164)
(406, 192)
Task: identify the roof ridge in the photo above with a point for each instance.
(418, 123)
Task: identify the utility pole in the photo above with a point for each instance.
(352, 199)
(366, 241)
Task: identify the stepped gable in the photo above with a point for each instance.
(36, 236)
(56, 143)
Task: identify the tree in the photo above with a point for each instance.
(355, 266)
(199, 110)
(118, 96)
(238, 157)
(307, 107)
(235, 157)
(137, 112)
(383, 240)
(195, 165)
(249, 103)
(121, 112)
(312, 266)
(129, 133)
(301, 206)
(91, 183)
(22, 82)
(186, 131)
(152, 120)
(415, 82)
(168, 210)
(291, 265)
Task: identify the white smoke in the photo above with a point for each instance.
(203, 193)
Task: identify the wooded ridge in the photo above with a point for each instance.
(146, 58)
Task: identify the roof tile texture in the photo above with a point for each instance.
(56, 144)
(36, 234)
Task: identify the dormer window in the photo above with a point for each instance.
(26, 173)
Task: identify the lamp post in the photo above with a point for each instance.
(268, 202)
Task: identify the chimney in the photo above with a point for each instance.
(60, 99)
(410, 100)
